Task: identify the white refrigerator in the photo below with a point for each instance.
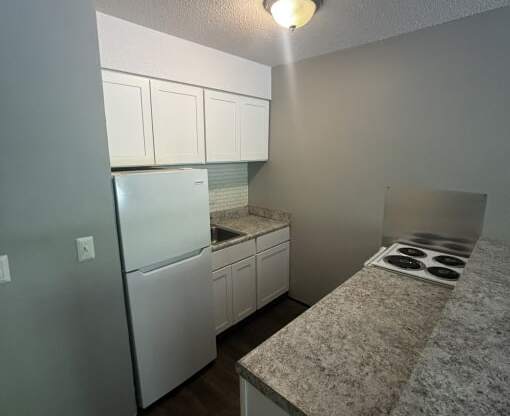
(164, 233)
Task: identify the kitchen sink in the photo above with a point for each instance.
(220, 234)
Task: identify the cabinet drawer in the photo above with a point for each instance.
(273, 239)
(233, 254)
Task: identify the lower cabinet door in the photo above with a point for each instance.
(272, 273)
(222, 289)
(244, 288)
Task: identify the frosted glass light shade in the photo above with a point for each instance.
(293, 13)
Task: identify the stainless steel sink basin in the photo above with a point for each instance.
(220, 234)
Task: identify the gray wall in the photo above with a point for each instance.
(64, 346)
(430, 108)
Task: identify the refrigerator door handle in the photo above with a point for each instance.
(147, 271)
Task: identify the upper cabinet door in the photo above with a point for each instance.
(254, 129)
(222, 127)
(128, 119)
(178, 119)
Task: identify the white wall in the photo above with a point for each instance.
(430, 108)
(64, 345)
(128, 47)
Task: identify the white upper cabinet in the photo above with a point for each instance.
(222, 126)
(178, 120)
(254, 129)
(272, 273)
(236, 127)
(154, 122)
(128, 119)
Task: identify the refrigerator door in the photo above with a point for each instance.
(172, 324)
(162, 215)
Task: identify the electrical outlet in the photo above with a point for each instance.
(5, 274)
(85, 248)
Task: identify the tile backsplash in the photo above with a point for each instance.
(228, 186)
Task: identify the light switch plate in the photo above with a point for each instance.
(85, 248)
(5, 274)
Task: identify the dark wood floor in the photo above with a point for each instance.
(215, 390)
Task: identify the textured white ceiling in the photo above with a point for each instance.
(244, 28)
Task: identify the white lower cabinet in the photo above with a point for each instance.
(235, 293)
(222, 289)
(248, 276)
(244, 288)
(272, 273)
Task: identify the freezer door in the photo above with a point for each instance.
(172, 324)
(162, 215)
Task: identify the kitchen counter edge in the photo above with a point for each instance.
(422, 391)
(267, 226)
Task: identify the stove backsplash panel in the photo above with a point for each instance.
(447, 221)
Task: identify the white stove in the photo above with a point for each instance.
(430, 265)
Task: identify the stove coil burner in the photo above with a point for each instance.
(404, 262)
(443, 273)
(450, 261)
(412, 251)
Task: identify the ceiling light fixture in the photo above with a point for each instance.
(292, 14)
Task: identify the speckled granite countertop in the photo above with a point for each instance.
(465, 366)
(251, 221)
(384, 344)
(351, 352)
